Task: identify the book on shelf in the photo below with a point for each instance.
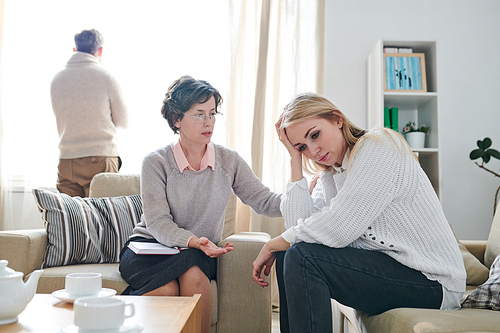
(153, 248)
(405, 50)
(393, 112)
(387, 117)
(398, 49)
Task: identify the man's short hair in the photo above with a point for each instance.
(89, 41)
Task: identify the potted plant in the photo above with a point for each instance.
(486, 153)
(415, 136)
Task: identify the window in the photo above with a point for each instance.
(148, 44)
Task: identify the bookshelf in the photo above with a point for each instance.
(419, 107)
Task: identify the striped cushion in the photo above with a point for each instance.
(86, 230)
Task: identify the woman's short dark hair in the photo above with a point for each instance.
(89, 41)
(182, 94)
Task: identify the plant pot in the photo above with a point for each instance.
(416, 140)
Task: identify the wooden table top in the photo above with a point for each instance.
(45, 313)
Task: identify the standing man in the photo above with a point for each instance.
(89, 107)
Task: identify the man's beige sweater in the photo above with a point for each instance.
(88, 104)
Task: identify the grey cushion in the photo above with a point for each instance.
(54, 278)
(477, 273)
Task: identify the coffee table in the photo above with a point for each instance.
(45, 313)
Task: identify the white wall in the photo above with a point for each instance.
(468, 35)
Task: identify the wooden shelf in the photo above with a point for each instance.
(426, 150)
(409, 100)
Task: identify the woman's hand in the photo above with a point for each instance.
(295, 154)
(265, 259)
(284, 139)
(313, 183)
(208, 247)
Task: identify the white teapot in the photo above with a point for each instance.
(14, 293)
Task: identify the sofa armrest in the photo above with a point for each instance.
(24, 249)
(476, 247)
(243, 306)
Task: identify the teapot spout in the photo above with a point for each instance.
(32, 283)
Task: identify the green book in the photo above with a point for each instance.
(394, 119)
(387, 118)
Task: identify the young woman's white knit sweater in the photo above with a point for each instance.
(383, 202)
(192, 203)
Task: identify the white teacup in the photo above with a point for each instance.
(101, 313)
(83, 284)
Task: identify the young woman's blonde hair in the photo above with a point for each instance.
(310, 105)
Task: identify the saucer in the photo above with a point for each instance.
(127, 327)
(65, 297)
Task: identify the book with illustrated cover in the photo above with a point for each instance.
(153, 248)
(404, 72)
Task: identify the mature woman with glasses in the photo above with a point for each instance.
(185, 188)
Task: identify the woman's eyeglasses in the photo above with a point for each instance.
(202, 117)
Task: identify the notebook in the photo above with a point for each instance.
(153, 248)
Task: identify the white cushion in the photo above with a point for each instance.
(493, 245)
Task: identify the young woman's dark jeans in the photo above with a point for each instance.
(368, 281)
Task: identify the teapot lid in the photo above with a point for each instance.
(6, 272)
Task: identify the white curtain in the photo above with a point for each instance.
(277, 49)
(276, 52)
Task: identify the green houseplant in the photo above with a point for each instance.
(486, 153)
(415, 136)
(410, 127)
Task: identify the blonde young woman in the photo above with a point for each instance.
(370, 233)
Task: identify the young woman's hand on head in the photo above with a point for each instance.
(295, 154)
(208, 247)
(284, 139)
